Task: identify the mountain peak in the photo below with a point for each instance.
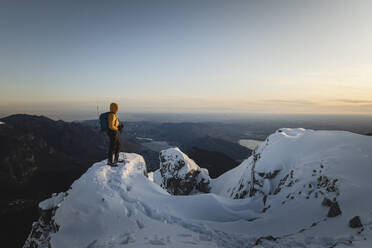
(319, 180)
(16, 118)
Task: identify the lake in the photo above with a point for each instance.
(250, 143)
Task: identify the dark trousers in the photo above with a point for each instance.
(114, 147)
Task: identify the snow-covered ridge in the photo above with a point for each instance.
(273, 199)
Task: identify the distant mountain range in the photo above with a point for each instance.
(33, 145)
(39, 156)
(217, 163)
(204, 142)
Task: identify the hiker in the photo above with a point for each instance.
(113, 128)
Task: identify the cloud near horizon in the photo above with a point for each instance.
(192, 105)
(353, 101)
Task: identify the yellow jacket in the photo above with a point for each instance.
(113, 122)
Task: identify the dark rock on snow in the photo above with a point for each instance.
(269, 238)
(327, 202)
(334, 210)
(180, 175)
(355, 222)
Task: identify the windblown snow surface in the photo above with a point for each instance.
(121, 207)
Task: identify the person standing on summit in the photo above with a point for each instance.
(113, 133)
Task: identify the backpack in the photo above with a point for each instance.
(103, 120)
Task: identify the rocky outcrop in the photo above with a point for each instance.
(327, 202)
(355, 222)
(334, 210)
(180, 175)
(41, 230)
(334, 207)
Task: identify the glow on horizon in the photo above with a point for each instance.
(311, 57)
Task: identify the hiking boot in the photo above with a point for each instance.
(112, 164)
(119, 161)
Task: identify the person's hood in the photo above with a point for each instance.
(114, 107)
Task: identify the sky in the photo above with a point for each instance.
(59, 57)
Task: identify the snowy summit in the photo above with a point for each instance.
(300, 188)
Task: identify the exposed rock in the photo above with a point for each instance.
(41, 230)
(265, 209)
(281, 183)
(269, 175)
(334, 210)
(269, 238)
(264, 199)
(355, 222)
(327, 202)
(180, 175)
(256, 157)
(328, 183)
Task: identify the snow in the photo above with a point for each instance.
(180, 175)
(52, 202)
(173, 155)
(117, 207)
(344, 156)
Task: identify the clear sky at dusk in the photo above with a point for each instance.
(186, 56)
